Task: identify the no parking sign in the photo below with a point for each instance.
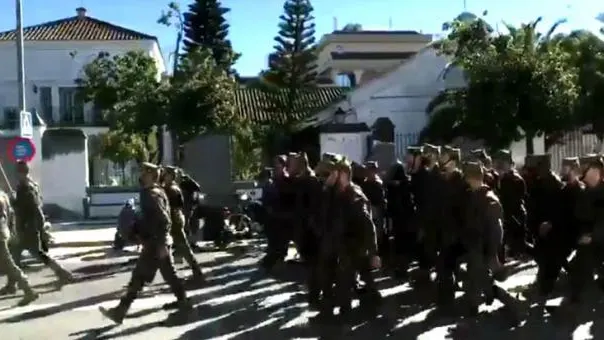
(21, 149)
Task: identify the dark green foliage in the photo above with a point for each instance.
(62, 142)
(519, 85)
(126, 89)
(201, 98)
(205, 26)
(294, 64)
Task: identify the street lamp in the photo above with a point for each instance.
(20, 58)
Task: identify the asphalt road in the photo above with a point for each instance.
(240, 302)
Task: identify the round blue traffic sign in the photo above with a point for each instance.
(21, 149)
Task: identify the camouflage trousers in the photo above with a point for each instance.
(182, 248)
(147, 265)
(10, 268)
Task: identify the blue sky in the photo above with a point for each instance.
(254, 22)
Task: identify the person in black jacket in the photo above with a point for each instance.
(590, 239)
(400, 210)
(511, 190)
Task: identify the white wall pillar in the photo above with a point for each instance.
(358, 74)
(54, 95)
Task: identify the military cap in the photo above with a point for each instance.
(473, 170)
(22, 167)
(343, 164)
(170, 169)
(371, 165)
(281, 159)
(415, 150)
(503, 155)
(591, 160)
(328, 162)
(480, 154)
(588, 159)
(454, 154)
(431, 149)
(328, 156)
(573, 162)
(538, 161)
(149, 167)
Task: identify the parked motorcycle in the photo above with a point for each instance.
(125, 233)
(248, 215)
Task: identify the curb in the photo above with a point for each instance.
(82, 244)
(82, 225)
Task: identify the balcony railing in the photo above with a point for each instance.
(66, 118)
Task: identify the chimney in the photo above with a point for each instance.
(81, 11)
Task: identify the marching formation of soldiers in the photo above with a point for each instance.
(439, 212)
(346, 222)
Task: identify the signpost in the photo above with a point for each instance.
(21, 149)
(26, 129)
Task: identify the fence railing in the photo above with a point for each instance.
(402, 141)
(573, 144)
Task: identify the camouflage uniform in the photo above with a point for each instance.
(30, 226)
(8, 266)
(481, 237)
(155, 254)
(182, 248)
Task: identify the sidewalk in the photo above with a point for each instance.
(83, 237)
(83, 224)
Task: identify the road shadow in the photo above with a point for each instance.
(82, 254)
(44, 312)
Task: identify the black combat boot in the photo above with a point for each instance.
(8, 289)
(118, 313)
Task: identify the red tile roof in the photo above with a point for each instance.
(78, 28)
(256, 105)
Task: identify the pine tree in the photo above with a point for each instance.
(206, 26)
(294, 64)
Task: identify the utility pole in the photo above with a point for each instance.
(20, 58)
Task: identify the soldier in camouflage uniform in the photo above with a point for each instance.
(8, 266)
(428, 198)
(373, 188)
(350, 242)
(454, 192)
(181, 245)
(482, 236)
(30, 226)
(156, 243)
(511, 190)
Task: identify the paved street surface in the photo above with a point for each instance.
(239, 302)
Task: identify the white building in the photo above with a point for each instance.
(402, 95)
(54, 54)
